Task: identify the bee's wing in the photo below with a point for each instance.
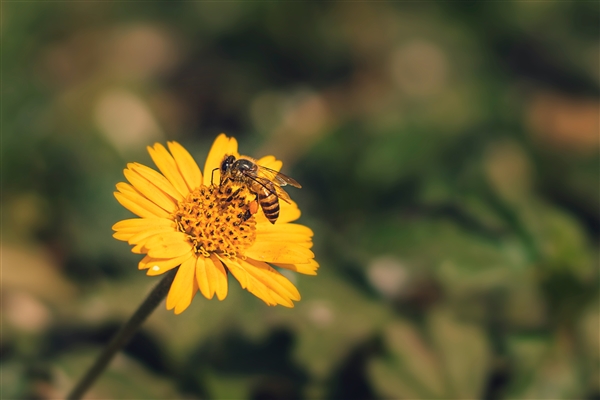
(274, 189)
(283, 195)
(276, 177)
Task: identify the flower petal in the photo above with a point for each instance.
(182, 289)
(142, 238)
(279, 252)
(172, 244)
(263, 281)
(167, 239)
(183, 302)
(283, 232)
(130, 227)
(289, 212)
(138, 204)
(212, 277)
(302, 240)
(135, 225)
(156, 178)
(221, 146)
(166, 164)
(150, 191)
(247, 282)
(174, 250)
(157, 266)
(187, 166)
(309, 268)
(139, 249)
(204, 283)
(270, 162)
(272, 278)
(123, 236)
(221, 284)
(282, 229)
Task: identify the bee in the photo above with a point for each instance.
(264, 182)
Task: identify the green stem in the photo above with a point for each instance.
(156, 296)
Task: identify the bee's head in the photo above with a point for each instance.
(226, 164)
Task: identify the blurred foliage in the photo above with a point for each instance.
(449, 159)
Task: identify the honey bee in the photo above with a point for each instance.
(264, 182)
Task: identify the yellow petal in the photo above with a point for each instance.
(182, 289)
(263, 281)
(173, 249)
(302, 240)
(268, 296)
(140, 237)
(221, 284)
(128, 228)
(204, 284)
(166, 164)
(282, 229)
(186, 164)
(249, 283)
(169, 251)
(144, 237)
(212, 278)
(221, 146)
(303, 243)
(139, 224)
(283, 232)
(183, 304)
(289, 212)
(167, 239)
(139, 249)
(270, 162)
(124, 236)
(279, 252)
(139, 205)
(271, 278)
(155, 177)
(309, 268)
(150, 191)
(157, 266)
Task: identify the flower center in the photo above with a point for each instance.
(217, 219)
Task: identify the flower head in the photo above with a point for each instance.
(190, 219)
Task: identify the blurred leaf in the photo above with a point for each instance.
(548, 367)
(448, 359)
(13, 381)
(124, 378)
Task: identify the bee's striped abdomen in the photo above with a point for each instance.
(270, 205)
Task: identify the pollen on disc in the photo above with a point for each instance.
(217, 219)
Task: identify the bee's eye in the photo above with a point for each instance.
(226, 164)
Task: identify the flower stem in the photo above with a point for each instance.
(121, 338)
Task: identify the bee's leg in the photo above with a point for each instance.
(233, 195)
(212, 174)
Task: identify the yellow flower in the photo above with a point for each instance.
(209, 229)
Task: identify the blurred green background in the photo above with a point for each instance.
(448, 154)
